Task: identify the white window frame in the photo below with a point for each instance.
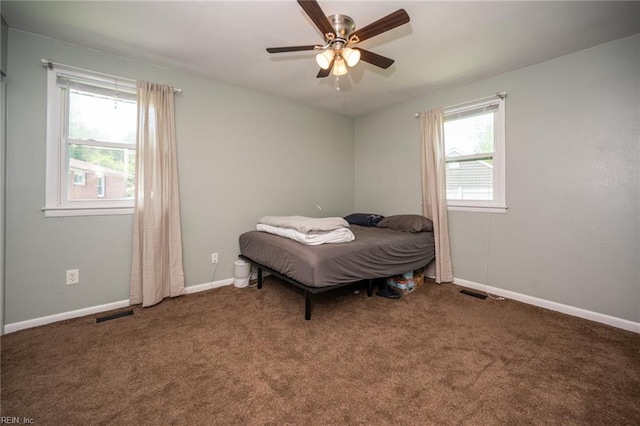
(57, 170)
(498, 204)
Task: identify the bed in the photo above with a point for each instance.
(376, 252)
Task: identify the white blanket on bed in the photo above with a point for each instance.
(305, 225)
(340, 235)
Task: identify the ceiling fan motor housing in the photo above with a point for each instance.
(343, 26)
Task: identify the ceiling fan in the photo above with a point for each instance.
(340, 35)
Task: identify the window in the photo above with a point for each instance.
(91, 137)
(100, 186)
(79, 178)
(474, 149)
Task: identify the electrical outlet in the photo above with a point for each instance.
(214, 257)
(73, 276)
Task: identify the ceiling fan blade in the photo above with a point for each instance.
(312, 8)
(389, 22)
(324, 73)
(290, 49)
(375, 59)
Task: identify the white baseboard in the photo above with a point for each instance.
(207, 286)
(17, 326)
(214, 284)
(21, 325)
(553, 306)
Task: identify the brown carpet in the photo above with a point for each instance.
(247, 356)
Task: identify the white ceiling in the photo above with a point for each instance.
(445, 43)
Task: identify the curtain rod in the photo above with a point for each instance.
(500, 95)
(49, 64)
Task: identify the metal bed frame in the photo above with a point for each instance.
(308, 291)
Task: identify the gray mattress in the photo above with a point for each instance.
(375, 253)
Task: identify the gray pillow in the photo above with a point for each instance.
(407, 223)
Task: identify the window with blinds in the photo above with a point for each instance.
(474, 150)
(91, 132)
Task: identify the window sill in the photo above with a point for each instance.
(478, 209)
(69, 211)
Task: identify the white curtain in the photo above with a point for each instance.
(434, 191)
(156, 270)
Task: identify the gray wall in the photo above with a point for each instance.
(571, 233)
(241, 155)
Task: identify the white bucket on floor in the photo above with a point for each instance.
(241, 273)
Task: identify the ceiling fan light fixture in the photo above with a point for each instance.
(339, 67)
(339, 32)
(324, 59)
(351, 56)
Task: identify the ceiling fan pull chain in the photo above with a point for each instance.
(337, 83)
